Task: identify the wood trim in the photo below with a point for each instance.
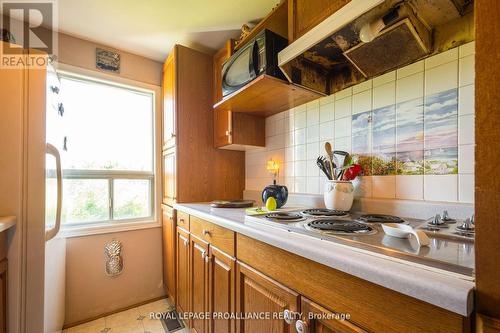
(80, 322)
(485, 324)
(487, 178)
(342, 292)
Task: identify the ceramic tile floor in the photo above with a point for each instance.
(135, 320)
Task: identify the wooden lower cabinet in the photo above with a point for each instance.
(316, 319)
(3, 295)
(199, 283)
(183, 276)
(222, 281)
(257, 293)
(168, 226)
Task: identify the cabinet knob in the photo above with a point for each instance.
(228, 133)
(287, 316)
(301, 326)
(206, 232)
(204, 255)
(185, 242)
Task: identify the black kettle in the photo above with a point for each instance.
(278, 192)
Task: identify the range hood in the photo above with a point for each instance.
(363, 39)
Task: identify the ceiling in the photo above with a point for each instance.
(151, 27)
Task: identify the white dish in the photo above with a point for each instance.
(400, 230)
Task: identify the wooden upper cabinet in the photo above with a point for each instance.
(257, 293)
(222, 289)
(182, 272)
(199, 283)
(303, 15)
(169, 177)
(168, 224)
(323, 320)
(169, 101)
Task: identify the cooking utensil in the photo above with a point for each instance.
(232, 203)
(324, 166)
(329, 152)
(400, 230)
(340, 157)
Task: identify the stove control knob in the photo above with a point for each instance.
(301, 326)
(445, 215)
(437, 220)
(467, 225)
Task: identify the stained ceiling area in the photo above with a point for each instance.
(151, 27)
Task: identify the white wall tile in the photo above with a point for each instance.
(326, 130)
(300, 185)
(343, 127)
(343, 107)
(313, 104)
(327, 100)
(270, 127)
(288, 169)
(410, 87)
(363, 187)
(384, 95)
(383, 79)
(300, 136)
(441, 188)
(384, 187)
(312, 151)
(290, 154)
(343, 93)
(366, 85)
(300, 152)
(441, 78)
(312, 169)
(466, 130)
(312, 185)
(466, 159)
(411, 69)
(312, 116)
(300, 120)
(313, 133)
(410, 187)
(290, 184)
(299, 109)
(342, 144)
(279, 126)
(466, 71)
(327, 112)
(466, 100)
(289, 139)
(441, 58)
(466, 188)
(300, 168)
(467, 49)
(362, 102)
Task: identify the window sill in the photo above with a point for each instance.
(78, 231)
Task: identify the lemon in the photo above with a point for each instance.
(271, 203)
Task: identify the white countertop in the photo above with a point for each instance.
(449, 291)
(7, 222)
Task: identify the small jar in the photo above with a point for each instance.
(339, 195)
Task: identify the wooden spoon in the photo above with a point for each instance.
(329, 152)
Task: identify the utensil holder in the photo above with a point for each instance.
(338, 195)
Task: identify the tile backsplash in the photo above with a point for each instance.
(411, 129)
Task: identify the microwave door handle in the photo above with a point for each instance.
(51, 150)
(255, 58)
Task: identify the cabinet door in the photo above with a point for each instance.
(168, 223)
(257, 293)
(222, 128)
(222, 290)
(169, 177)
(169, 103)
(316, 319)
(182, 271)
(303, 15)
(199, 283)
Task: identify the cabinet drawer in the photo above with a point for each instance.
(219, 237)
(183, 220)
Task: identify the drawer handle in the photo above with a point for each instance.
(181, 221)
(204, 255)
(228, 133)
(206, 232)
(287, 316)
(301, 326)
(185, 242)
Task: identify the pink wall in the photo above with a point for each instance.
(90, 292)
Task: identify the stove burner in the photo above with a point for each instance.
(380, 218)
(283, 216)
(340, 226)
(323, 212)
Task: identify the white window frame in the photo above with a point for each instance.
(73, 229)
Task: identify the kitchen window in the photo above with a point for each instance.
(108, 155)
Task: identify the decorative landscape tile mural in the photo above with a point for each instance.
(384, 141)
(361, 140)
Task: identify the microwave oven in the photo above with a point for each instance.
(259, 56)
